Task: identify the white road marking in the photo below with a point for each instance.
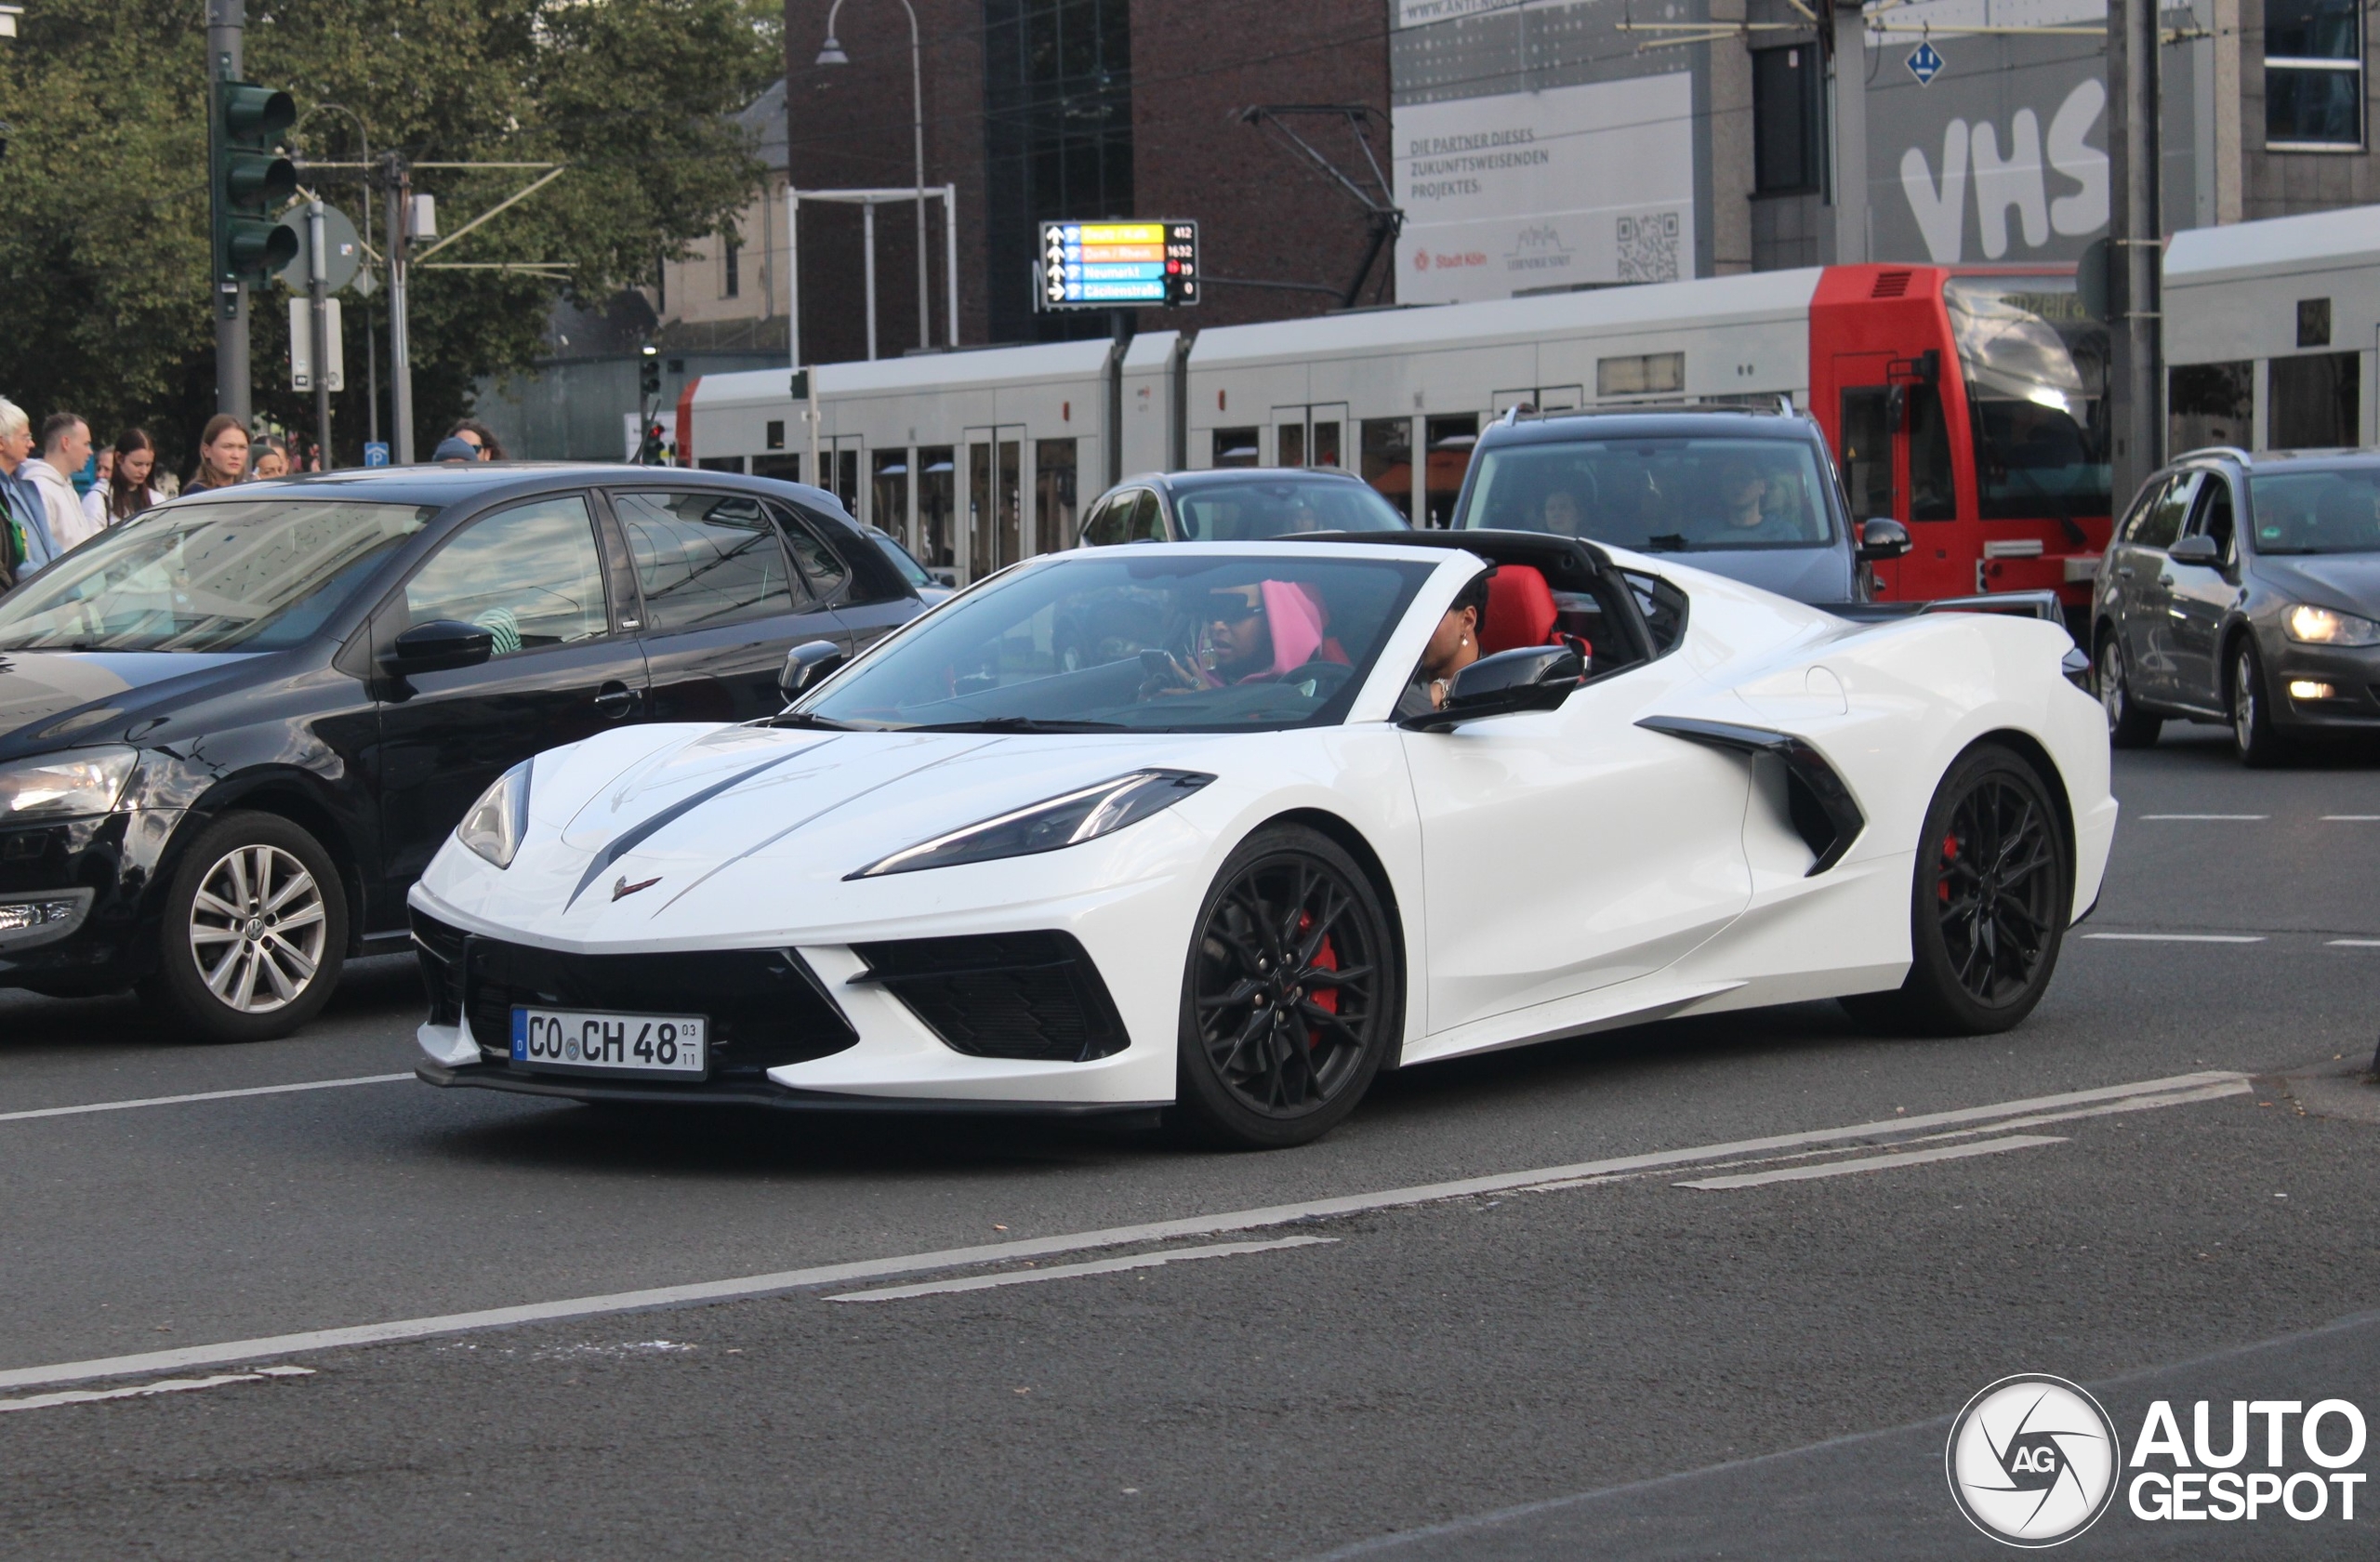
(202, 1095)
(2237, 819)
(1069, 1271)
(2351, 818)
(232, 1351)
(1875, 1163)
(143, 1391)
(2354, 944)
(2178, 938)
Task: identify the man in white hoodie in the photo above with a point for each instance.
(65, 446)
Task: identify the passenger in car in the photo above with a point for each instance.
(1560, 514)
(1453, 646)
(1267, 628)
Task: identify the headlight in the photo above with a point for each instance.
(1045, 827)
(2322, 626)
(85, 781)
(494, 827)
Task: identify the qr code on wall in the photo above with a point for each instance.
(1647, 247)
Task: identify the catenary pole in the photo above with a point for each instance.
(318, 295)
(1850, 134)
(2136, 379)
(227, 22)
(401, 446)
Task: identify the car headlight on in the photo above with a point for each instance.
(2309, 625)
(1066, 820)
(494, 827)
(61, 786)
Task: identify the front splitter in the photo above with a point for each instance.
(488, 1075)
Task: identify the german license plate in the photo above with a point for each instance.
(588, 1041)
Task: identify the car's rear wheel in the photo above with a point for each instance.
(2252, 734)
(1291, 997)
(1988, 903)
(255, 932)
(2128, 725)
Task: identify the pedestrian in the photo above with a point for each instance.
(478, 435)
(25, 543)
(454, 450)
(222, 454)
(268, 458)
(127, 492)
(65, 446)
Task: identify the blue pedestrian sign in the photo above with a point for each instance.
(375, 453)
(1925, 63)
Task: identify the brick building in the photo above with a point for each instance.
(1090, 108)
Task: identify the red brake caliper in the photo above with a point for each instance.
(1323, 999)
(1950, 856)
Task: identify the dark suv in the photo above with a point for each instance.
(2244, 590)
(1235, 504)
(1749, 493)
(233, 729)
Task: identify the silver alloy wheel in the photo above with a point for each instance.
(2243, 703)
(2111, 682)
(257, 928)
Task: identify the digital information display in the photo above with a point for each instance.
(1115, 265)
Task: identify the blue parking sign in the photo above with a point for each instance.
(375, 453)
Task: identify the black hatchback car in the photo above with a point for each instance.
(1235, 504)
(233, 729)
(2244, 590)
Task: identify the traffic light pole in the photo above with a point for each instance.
(318, 293)
(227, 23)
(399, 184)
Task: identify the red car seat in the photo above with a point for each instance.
(1520, 609)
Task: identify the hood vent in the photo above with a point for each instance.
(1891, 285)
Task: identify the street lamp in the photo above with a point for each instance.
(832, 54)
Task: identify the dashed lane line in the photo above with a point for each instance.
(2351, 818)
(2354, 944)
(201, 1095)
(1072, 1271)
(2220, 818)
(143, 1391)
(2177, 937)
(1875, 1163)
(2179, 1087)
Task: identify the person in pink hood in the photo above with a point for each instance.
(1266, 629)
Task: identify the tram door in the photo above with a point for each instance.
(993, 538)
(1310, 436)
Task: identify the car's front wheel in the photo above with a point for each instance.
(2128, 725)
(1988, 903)
(255, 932)
(2253, 734)
(1291, 997)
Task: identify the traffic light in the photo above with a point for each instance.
(656, 451)
(250, 180)
(649, 373)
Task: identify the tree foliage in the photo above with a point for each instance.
(103, 202)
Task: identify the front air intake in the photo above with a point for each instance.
(1031, 996)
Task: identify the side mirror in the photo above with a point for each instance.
(1883, 538)
(2198, 550)
(1896, 407)
(438, 646)
(1533, 677)
(806, 665)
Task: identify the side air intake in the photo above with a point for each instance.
(1008, 995)
(1824, 814)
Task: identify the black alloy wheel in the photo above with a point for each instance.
(2129, 726)
(1293, 995)
(1989, 903)
(2252, 734)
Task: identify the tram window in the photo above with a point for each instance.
(1643, 374)
(1054, 493)
(785, 469)
(2036, 370)
(1238, 448)
(889, 498)
(937, 546)
(2210, 403)
(2315, 405)
(1450, 438)
(1867, 451)
(1388, 460)
(1325, 444)
(1931, 496)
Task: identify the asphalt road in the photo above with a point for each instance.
(1579, 1356)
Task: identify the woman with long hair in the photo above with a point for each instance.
(222, 454)
(125, 492)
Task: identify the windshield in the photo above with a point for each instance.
(1260, 507)
(1140, 640)
(2336, 511)
(255, 576)
(1657, 495)
(2036, 370)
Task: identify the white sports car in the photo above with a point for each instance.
(1225, 829)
